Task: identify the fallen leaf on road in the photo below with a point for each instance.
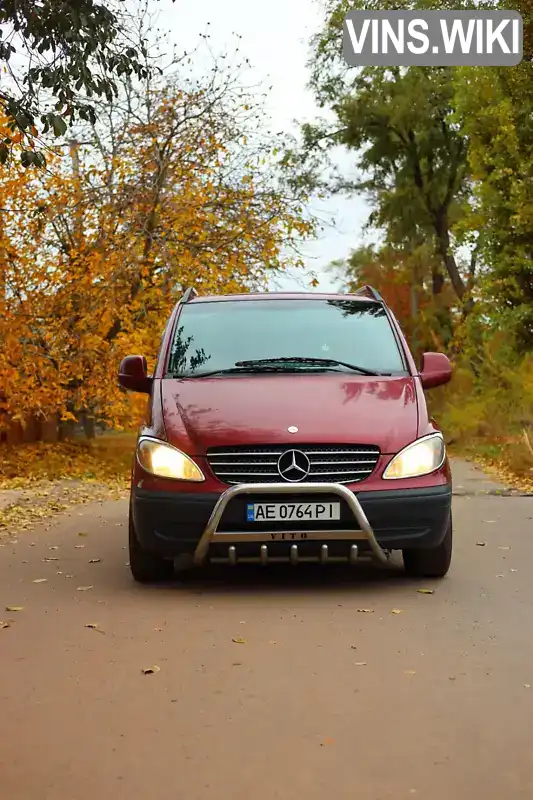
(360, 663)
(353, 647)
(451, 678)
(239, 640)
(365, 610)
(40, 580)
(50, 559)
(69, 576)
(410, 672)
(84, 588)
(14, 608)
(513, 570)
(527, 686)
(426, 591)
(83, 534)
(272, 642)
(151, 670)
(396, 611)
(95, 560)
(500, 576)
(94, 626)
(78, 546)
(53, 547)
(5, 623)
(481, 544)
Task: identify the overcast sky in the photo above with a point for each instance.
(275, 38)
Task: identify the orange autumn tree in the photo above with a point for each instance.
(172, 189)
(29, 372)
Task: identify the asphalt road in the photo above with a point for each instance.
(330, 694)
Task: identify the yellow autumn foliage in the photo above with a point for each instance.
(96, 249)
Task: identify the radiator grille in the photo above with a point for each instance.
(325, 463)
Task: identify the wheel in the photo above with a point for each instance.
(147, 567)
(433, 563)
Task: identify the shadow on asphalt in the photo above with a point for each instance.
(251, 580)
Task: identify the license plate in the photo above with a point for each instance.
(284, 512)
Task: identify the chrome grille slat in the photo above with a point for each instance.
(341, 463)
(318, 451)
(242, 463)
(328, 463)
(255, 474)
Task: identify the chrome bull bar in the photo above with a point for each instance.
(212, 535)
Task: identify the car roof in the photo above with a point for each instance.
(217, 298)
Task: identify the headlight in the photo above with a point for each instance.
(419, 458)
(165, 461)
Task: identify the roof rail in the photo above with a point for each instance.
(190, 293)
(370, 292)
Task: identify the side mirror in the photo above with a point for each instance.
(132, 374)
(436, 370)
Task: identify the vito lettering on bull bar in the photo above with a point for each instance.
(433, 38)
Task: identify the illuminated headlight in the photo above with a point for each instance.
(165, 461)
(419, 458)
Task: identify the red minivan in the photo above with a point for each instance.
(287, 427)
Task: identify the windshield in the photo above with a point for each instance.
(214, 336)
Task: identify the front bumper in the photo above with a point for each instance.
(212, 526)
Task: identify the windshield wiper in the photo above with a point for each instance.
(317, 362)
(241, 369)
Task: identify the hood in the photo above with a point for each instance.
(258, 409)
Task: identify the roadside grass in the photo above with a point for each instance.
(509, 459)
(106, 459)
(39, 481)
(490, 425)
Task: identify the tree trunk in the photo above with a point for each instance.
(50, 429)
(15, 433)
(89, 426)
(67, 430)
(437, 281)
(442, 233)
(32, 429)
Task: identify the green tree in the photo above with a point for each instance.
(496, 109)
(71, 51)
(410, 150)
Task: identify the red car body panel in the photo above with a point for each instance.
(335, 408)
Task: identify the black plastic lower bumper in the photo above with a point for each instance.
(171, 523)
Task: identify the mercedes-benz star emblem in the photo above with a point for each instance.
(293, 466)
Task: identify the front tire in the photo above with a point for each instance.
(432, 563)
(147, 567)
